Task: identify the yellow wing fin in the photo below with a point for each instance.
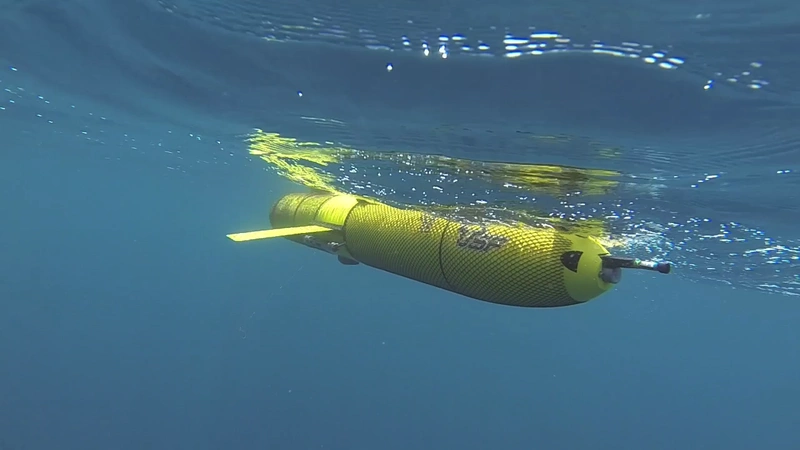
(277, 232)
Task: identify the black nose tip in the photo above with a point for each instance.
(571, 259)
(664, 267)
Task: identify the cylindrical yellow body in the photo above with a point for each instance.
(511, 265)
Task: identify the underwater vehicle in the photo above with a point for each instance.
(516, 265)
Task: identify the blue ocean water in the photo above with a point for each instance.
(128, 320)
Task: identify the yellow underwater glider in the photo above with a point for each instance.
(516, 265)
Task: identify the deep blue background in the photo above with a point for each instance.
(128, 321)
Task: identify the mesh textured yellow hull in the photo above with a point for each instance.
(511, 265)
